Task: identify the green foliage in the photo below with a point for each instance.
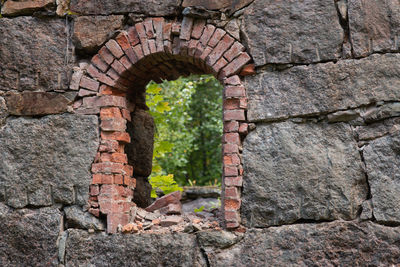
(188, 116)
(199, 209)
(165, 183)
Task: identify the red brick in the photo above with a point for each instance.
(110, 112)
(219, 64)
(123, 40)
(232, 103)
(126, 62)
(115, 219)
(108, 146)
(95, 212)
(232, 192)
(235, 66)
(138, 52)
(106, 55)
(222, 46)
(84, 92)
(229, 171)
(232, 204)
(231, 126)
(232, 80)
(118, 136)
(243, 102)
(233, 181)
(126, 114)
(186, 28)
(97, 178)
(108, 90)
(231, 216)
(198, 27)
(114, 48)
(232, 225)
(114, 157)
(113, 74)
(97, 157)
(183, 47)
(105, 101)
(89, 84)
(99, 63)
(230, 148)
(176, 28)
(167, 31)
(216, 37)
(143, 38)
(232, 159)
(118, 67)
(173, 197)
(113, 124)
(235, 114)
(206, 35)
(232, 138)
(234, 91)
(121, 148)
(205, 53)
(192, 47)
(94, 190)
(158, 24)
(130, 181)
(133, 36)
(107, 179)
(243, 128)
(152, 46)
(247, 70)
(128, 170)
(102, 77)
(234, 51)
(118, 179)
(148, 26)
(107, 167)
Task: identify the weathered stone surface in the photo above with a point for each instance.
(106, 7)
(36, 103)
(292, 31)
(77, 218)
(90, 32)
(320, 88)
(217, 239)
(374, 26)
(29, 237)
(140, 150)
(177, 249)
(15, 8)
(50, 154)
(34, 54)
(382, 158)
(301, 171)
(381, 112)
(326, 244)
(231, 5)
(377, 129)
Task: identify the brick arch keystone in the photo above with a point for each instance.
(151, 50)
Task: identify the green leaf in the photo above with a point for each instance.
(199, 209)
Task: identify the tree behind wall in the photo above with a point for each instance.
(188, 117)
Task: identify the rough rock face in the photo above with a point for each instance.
(232, 5)
(374, 26)
(3, 110)
(292, 31)
(34, 54)
(28, 237)
(90, 32)
(106, 7)
(47, 159)
(14, 8)
(301, 171)
(382, 157)
(77, 218)
(305, 90)
(140, 150)
(326, 244)
(132, 250)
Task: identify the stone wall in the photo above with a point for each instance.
(311, 129)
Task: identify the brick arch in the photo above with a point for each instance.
(151, 50)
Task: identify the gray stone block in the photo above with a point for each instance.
(292, 31)
(49, 154)
(298, 172)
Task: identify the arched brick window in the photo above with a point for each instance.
(113, 86)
